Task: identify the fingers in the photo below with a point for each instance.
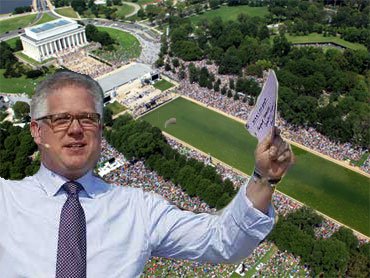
(284, 156)
(268, 140)
(277, 147)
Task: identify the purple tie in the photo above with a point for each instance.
(71, 255)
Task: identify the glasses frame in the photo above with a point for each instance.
(90, 115)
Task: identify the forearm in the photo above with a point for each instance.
(227, 237)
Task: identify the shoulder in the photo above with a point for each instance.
(118, 191)
(10, 187)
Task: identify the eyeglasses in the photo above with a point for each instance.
(62, 121)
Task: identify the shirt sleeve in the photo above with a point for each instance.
(226, 237)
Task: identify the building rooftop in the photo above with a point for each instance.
(50, 25)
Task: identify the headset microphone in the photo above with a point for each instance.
(46, 145)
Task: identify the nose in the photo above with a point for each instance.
(75, 127)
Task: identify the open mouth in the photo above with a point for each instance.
(75, 146)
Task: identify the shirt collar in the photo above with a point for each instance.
(51, 182)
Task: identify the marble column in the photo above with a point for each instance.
(69, 41)
(55, 47)
(42, 51)
(59, 45)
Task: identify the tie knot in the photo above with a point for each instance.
(72, 187)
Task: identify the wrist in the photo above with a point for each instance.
(272, 182)
(259, 192)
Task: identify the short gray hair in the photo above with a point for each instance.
(60, 80)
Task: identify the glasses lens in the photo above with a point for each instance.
(89, 120)
(61, 121)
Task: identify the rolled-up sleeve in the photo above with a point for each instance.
(226, 237)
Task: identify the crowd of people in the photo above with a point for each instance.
(308, 137)
(140, 102)
(79, 61)
(152, 103)
(282, 262)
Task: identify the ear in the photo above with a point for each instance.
(35, 132)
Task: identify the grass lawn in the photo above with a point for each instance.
(18, 85)
(323, 185)
(128, 46)
(45, 18)
(12, 41)
(116, 107)
(16, 22)
(124, 10)
(28, 59)
(315, 37)
(67, 12)
(230, 13)
(163, 85)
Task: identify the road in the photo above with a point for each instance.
(149, 40)
(41, 8)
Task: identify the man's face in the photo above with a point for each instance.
(74, 151)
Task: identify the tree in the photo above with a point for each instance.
(231, 62)
(281, 46)
(79, 6)
(187, 50)
(346, 236)
(212, 194)
(107, 116)
(7, 58)
(214, 4)
(141, 13)
(329, 256)
(175, 62)
(21, 109)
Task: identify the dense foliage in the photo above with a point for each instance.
(139, 140)
(21, 10)
(324, 89)
(339, 255)
(21, 109)
(93, 34)
(17, 152)
(12, 67)
(88, 8)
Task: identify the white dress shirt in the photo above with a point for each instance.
(125, 226)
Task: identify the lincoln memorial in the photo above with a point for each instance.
(46, 40)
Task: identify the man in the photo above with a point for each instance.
(65, 222)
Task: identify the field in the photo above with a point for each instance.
(17, 85)
(12, 41)
(338, 192)
(116, 107)
(128, 46)
(67, 11)
(45, 18)
(314, 37)
(124, 10)
(16, 22)
(230, 13)
(163, 85)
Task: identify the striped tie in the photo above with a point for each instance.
(71, 255)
